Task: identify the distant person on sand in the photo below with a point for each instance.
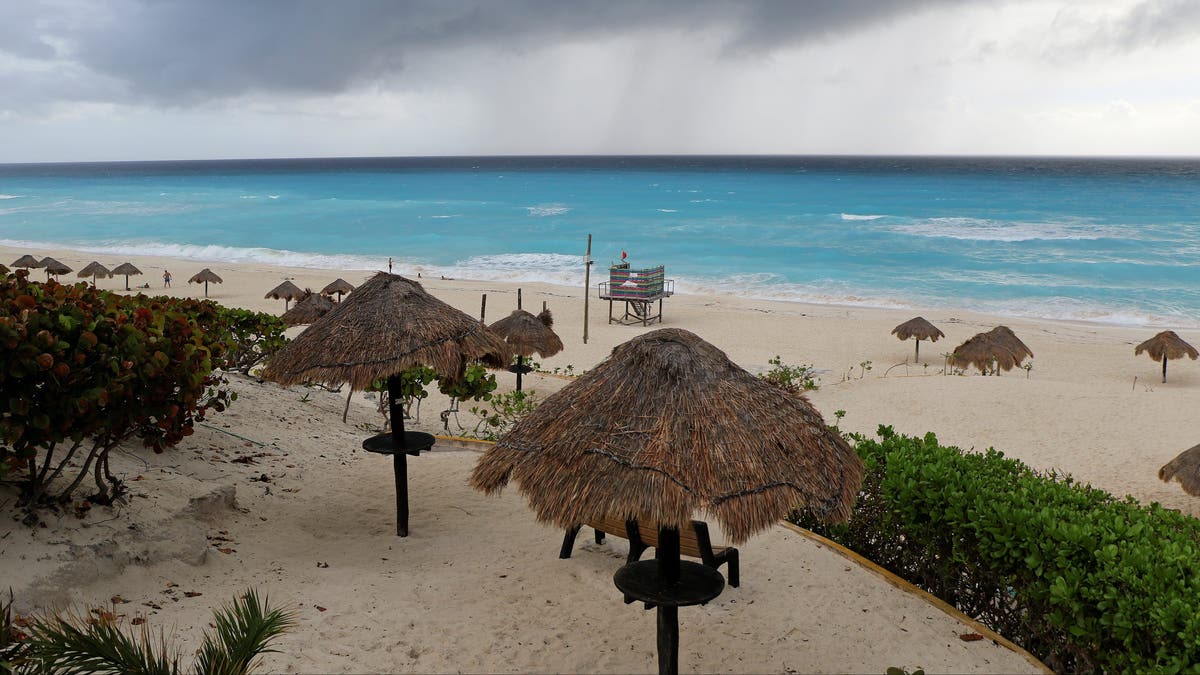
(166, 279)
(389, 265)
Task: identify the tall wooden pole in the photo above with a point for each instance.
(518, 298)
(483, 308)
(587, 284)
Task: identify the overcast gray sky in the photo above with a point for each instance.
(84, 80)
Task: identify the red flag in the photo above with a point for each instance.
(623, 254)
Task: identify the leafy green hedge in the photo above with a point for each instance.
(82, 370)
(253, 337)
(1081, 579)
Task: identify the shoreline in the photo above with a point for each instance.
(347, 263)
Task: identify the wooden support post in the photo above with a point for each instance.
(544, 306)
(1164, 368)
(483, 308)
(518, 372)
(400, 457)
(667, 555)
(587, 284)
(518, 298)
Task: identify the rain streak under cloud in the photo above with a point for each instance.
(125, 79)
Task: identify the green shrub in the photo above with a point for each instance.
(502, 412)
(82, 371)
(795, 379)
(1084, 581)
(252, 337)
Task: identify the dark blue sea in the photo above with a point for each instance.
(1107, 240)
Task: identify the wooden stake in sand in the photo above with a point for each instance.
(587, 283)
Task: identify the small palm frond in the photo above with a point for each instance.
(73, 645)
(243, 632)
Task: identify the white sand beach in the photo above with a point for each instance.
(308, 519)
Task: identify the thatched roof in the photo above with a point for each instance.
(308, 310)
(385, 326)
(285, 291)
(205, 276)
(668, 426)
(94, 269)
(999, 344)
(336, 286)
(27, 261)
(1168, 344)
(126, 269)
(918, 328)
(1186, 469)
(53, 266)
(526, 333)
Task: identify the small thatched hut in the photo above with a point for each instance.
(27, 261)
(664, 428)
(920, 329)
(384, 327)
(53, 267)
(527, 335)
(93, 270)
(128, 270)
(308, 310)
(1186, 469)
(1166, 345)
(339, 286)
(205, 276)
(287, 291)
(996, 350)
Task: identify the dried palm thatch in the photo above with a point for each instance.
(1166, 345)
(920, 329)
(1186, 469)
(385, 326)
(287, 291)
(998, 349)
(204, 276)
(93, 270)
(54, 267)
(308, 310)
(27, 261)
(668, 426)
(126, 269)
(527, 334)
(339, 286)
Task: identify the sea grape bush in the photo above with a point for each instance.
(1081, 579)
(82, 371)
(253, 337)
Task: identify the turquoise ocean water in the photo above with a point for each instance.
(1107, 240)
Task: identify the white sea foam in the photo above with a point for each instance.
(975, 229)
(668, 210)
(542, 210)
(218, 254)
(855, 216)
(3, 196)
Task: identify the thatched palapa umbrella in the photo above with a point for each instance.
(54, 267)
(997, 349)
(93, 270)
(339, 286)
(1166, 345)
(665, 427)
(126, 269)
(526, 335)
(287, 291)
(1186, 469)
(308, 310)
(920, 329)
(384, 327)
(27, 261)
(204, 276)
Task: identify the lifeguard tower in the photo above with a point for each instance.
(638, 289)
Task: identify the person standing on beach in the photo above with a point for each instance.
(389, 265)
(166, 279)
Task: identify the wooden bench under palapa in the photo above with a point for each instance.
(693, 542)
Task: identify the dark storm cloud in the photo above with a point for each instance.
(185, 52)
